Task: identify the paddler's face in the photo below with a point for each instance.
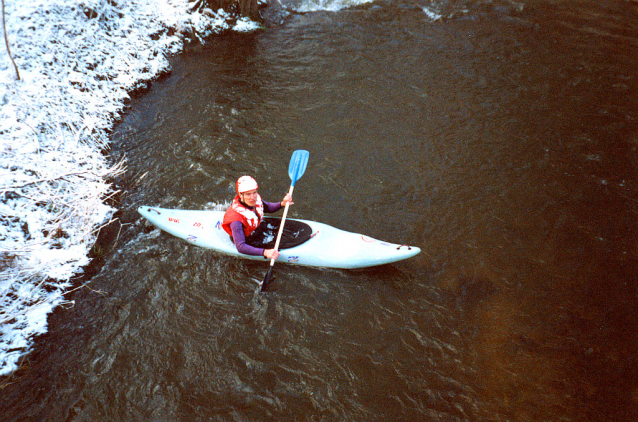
(250, 198)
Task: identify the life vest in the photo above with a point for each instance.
(250, 218)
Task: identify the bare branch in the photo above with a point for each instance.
(6, 41)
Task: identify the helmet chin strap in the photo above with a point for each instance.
(241, 200)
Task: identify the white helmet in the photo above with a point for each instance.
(245, 184)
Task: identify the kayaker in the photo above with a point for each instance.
(246, 213)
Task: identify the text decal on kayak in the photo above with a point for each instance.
(173, 220)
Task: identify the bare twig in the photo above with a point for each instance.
(47, 179)
(100, 292)
(6, 41)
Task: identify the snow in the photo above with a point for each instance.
(78, 60)
(245, 25)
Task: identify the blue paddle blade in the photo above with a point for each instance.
(298, 163)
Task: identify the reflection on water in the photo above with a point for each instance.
(500, 138)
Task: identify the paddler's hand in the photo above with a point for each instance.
(287, 200)
(271, 253)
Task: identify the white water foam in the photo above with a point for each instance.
(326, 5)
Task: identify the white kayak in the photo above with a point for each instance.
(328, 246)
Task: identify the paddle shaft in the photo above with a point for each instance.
(296, 168)
(281, 227)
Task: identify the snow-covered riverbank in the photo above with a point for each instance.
(78, 60)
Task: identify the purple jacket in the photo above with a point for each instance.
(238, 232)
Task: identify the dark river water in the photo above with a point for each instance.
(501, 139)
